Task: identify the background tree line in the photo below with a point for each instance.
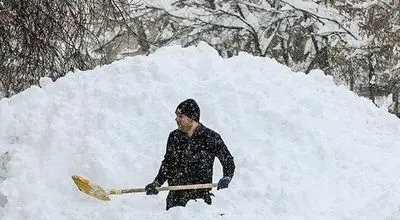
(355, 41)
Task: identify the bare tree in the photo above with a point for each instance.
(40, 38)
(278, 29)
(373, 60)
(49, 38)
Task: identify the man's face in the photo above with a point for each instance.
(184, 123)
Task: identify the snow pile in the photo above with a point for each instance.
(304, 148)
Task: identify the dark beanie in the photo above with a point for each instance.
(189, 108)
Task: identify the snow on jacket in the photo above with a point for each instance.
(189, 160)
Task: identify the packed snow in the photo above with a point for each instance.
(304, 148)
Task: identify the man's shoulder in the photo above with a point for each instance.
(208, 131)
(175, 132)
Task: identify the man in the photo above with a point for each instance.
(189, 158)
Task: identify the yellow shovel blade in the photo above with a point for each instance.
(89, 188)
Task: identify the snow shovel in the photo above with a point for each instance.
(98, 192)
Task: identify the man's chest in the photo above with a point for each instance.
(192, 149)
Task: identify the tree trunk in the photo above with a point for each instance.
(371, 74)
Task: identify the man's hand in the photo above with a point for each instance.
(224, 182)
(151, 188)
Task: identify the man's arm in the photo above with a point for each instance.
(163, 172)
(224, 156)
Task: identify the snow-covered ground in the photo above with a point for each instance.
(304, 148)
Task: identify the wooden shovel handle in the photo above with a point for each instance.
(164, 188)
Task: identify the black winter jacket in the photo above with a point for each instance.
(189, 160)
